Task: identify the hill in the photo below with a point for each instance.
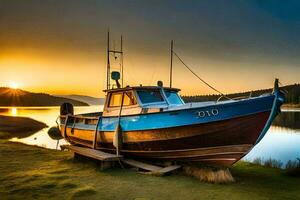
(87, 99)
(17, 97)
(292, 93)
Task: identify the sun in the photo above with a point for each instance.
(14, 85)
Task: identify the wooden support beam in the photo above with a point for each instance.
(105, 158)
(92, 153)
(168, 169)
(152, 169)
(141, 165)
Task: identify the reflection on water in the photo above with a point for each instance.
(14, 111)
(288, 119)
(282, 141)
(48, 115)
(10, 111)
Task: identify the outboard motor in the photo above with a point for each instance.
(66, 108)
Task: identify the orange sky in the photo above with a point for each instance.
(59, 48)
(81, 73)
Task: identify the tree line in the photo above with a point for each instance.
(292, 95)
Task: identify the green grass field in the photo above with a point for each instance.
(28, 172)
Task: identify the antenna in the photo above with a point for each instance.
(108, 85)
(122, 61)
(171, 66)
(108, 64)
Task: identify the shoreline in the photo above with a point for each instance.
(19, 127)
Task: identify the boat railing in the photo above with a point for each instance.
(78, 119)
(241, 97)
(93, 114)
(235, 98)
(222, 96)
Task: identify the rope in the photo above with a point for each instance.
(203, 81)
(284, 90)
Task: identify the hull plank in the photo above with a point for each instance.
(225, 154)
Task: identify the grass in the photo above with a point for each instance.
(19, 127)
(293, 168)
(29, 172)
(208, 174)
(271, 163)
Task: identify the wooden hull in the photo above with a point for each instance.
(218, 143)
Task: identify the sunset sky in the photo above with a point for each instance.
(58, 46)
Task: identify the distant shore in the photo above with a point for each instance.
(19, 127)
(291, 105)
(18, 97)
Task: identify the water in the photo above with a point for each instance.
(282, 141)
(48, 115)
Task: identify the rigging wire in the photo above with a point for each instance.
(282, 89)
(203, 81)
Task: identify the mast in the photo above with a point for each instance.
(108, 64)
(122, 60)
(108, 67)
(171, 66)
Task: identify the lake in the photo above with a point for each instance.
(282, 141)
(48, 115)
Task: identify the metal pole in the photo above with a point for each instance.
(171, 67)
(108, 64)
(122, 60)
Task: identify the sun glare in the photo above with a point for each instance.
(14, 111)
(14, 85)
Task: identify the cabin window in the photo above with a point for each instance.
(115, 99)
(173, 97)
(150, 96)
(129, 99)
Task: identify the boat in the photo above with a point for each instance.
(154, 123)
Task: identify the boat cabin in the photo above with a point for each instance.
(142, 99)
